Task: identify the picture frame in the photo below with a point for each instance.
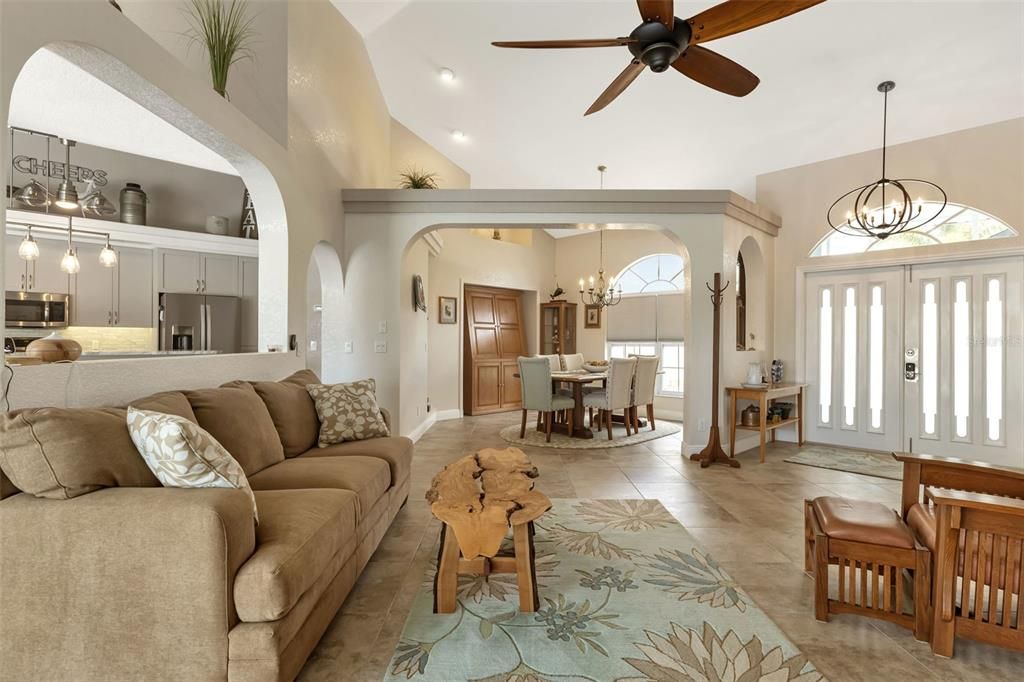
(447, 310)
(591, 316)
(419, 296)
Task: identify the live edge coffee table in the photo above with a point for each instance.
(478, 498)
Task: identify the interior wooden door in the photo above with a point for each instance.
(494, 338)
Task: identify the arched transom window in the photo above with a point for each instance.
(660, 273)
(955, 224)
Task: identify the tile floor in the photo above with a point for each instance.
(750, 519)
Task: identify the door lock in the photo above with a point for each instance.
(910, 365)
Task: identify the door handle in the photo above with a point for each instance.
(23, 281)
(116, 316)
(198, 289)
(204, 286)
(110, 318)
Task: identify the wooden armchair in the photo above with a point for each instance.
(971, 516)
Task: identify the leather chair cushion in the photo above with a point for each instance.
(921, 519)
(861, 521)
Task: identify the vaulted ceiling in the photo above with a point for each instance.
(956, 65)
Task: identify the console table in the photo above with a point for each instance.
(764, 396)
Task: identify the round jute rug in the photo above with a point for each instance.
(535, 438)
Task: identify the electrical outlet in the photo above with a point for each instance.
(382, 327)
(380, 347)
(348, 346)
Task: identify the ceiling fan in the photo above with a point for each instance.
(664, 40)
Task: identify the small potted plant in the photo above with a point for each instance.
(413, 178)
(225, 30)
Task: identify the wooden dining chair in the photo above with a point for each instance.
(615, 395)
(643, 389)
(535, 387)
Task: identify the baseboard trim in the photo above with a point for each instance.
(448, 415)
(423, 427)
(670, 415)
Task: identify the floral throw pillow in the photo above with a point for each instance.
(183, 455)
(347, 411)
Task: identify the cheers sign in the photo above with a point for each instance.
(33, 166)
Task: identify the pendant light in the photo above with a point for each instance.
(867, 212)
(28, 249)
(69, 263)
(67, 195)
(32, 193)
(600, 293)
(108, 257)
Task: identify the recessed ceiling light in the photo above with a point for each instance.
(447, 75)
(458, 136)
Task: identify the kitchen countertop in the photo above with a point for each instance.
(118, 354)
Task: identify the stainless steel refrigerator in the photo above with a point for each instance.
(197, 322)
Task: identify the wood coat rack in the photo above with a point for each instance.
(713, 451)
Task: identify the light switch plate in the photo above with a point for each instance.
(348, 346)
(380, 347)
(382, 327)
(312, 345)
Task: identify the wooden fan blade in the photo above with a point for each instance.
(734, 16)
(618, 85)
(556, 44)
(658, 10)
(715, 71)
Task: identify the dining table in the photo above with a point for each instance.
(578, 379)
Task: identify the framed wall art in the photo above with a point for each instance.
(591, 317)
(447, 310)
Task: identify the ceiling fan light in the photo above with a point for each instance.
(69, 263)
(28, 249)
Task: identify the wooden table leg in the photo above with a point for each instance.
(524, 568)
(446, 581)
(800, 416)
(764, 426)
(578, 424)
(732, 424)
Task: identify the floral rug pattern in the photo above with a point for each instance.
(626, 595)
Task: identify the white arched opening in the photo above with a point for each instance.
(324, 290)
(751, 298)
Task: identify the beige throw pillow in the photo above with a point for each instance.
(347, 412)
(183, 455)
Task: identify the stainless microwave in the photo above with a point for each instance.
(34, 310)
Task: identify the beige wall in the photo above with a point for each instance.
(409, 150)
(413, 340)
(981, 167)
(468, 258)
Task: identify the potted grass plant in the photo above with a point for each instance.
(413, 178)
(225, 30)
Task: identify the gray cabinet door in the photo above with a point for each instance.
(14, 267)
(45, 274)
(220, 275)
(249, 287)
(92, 290)
(133, 293)
(180, 272)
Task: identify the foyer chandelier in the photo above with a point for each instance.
(600, 292)
(884, 207)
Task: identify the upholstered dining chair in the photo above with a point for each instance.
(535, 383)
(616, 394)
(573, 363)
(643, 389)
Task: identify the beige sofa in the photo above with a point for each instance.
(106, 575)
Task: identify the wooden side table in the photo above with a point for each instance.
(764, 396)
(475, 524)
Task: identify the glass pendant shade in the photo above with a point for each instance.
(69, 263)
(28, 249)
(108, 257)
(33, 195)
(96, 205)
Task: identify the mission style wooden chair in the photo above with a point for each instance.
(970, 515)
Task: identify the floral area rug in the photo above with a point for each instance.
(537, 439)
(851, 461)
(625, 594)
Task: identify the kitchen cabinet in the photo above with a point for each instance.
(248, 288)
(184, 272)
(120, 296)
(43, 275)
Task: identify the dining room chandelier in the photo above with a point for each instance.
(600, 292)
(884, 207)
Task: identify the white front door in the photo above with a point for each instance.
(964, 325)
(854, 358)
(955, 327)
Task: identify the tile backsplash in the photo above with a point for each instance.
(95, 339)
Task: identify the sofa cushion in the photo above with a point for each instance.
(300, 533)
(239, 420)
(181, 454)
(62, 453)
(395, 450)
(292, 409)
(168, 402)
(347, 412)
(368, 477)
